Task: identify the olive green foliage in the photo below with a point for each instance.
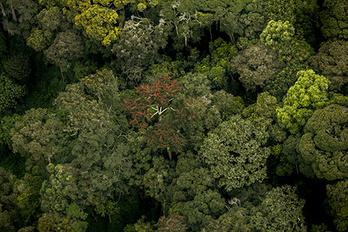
(307, 94)
(263, 115)
(10, 92)
(332, 62)
(85, 146)
(57, 196)
(323, 147)
(241, 155)
(137, 46)
(256, 66)
(227, 104)
(334, 19)
(337, 200)
(243, 18)
(67, 46)
(8, 202)
(280, 210)
(18, 16)
(259, 208)
(277, 33)
(39, 39)
(203, 209)
(18, 67)
(281, 10)
(293, 56)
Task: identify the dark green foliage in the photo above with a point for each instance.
(10, 92)
(337, 200)
(138, 47)
(280, 210)
(324, 145)
(259, 208)
(332, 62)
(67, 46)
(18, 67)
(209, 134)
(334, 19)
(227, 104)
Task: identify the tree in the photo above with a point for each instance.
(307, 94)
(18, 67)
(203, 209)
(323, 147)
(67, 47)
(171, 223)
(99, 23)
(331, 61)
(256, 66)
(81, 140)
(337, 200)
(277, 33)
(227, 104)
(243, 18)
(259, 208)
(39, 39)
(280, 210)
(8, 202)
(138, 46)
(334, 19)
(235, 153)
(153, 102)
(59, 195)
(10, 92)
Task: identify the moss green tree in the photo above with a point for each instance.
(235, 153)
(10, 92)
(334, 19)
(337, 200)
(256, 66)
(332, 62)
(323, 147)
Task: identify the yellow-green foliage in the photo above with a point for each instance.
(277, 32)
(308, 93)
(99, 23)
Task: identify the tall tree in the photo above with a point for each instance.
(337, 200)
(235, 153)
(307, 94)
(324, 147)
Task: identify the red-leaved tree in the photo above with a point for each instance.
(152, 102)
(173, 223)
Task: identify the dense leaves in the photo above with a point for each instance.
(173, 115)
(235, 154)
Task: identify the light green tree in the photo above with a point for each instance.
(307, 94)
(277, 33)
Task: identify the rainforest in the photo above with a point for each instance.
(173, 115)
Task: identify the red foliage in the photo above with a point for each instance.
(173, 223)
(157, 96)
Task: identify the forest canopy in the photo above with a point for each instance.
(173, 115)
